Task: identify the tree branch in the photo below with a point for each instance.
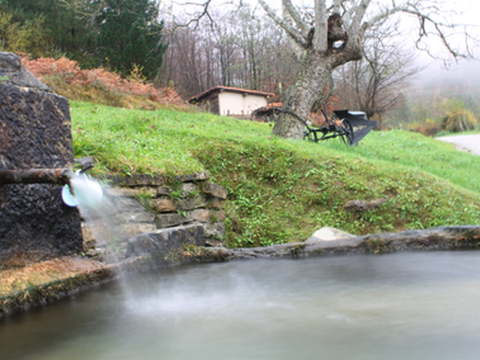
(425, 19)
(337, 7)
(197, 17)
(290, 9)
(358, 16)
(320, 37)
(289, 29)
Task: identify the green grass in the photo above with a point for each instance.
(448, 133)
(283, 190)
(416, 151)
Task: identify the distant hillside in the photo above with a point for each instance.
(425, 99)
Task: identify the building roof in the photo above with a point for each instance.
(219, 88)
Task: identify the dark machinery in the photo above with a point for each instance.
(349, 126)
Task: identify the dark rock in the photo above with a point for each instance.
(35, 132)
(215, 203)
(165, 241)
(193, 177)
(360, 205)
(137, 180)
(13, 72)
(169, 205)
(172, 219)
(164, 190)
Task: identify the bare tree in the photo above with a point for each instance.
(222, 50)
(333, 33)
(375, 84)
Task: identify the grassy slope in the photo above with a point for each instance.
(282, 190)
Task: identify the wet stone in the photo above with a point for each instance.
(193, 177)
(139, 180)
(169, 220)
(201, 215)
(35, 132)
(168, 205)
(164, 190)
(215, 190)
(166, 240)
(165, 205)
(215, 203)
(140, 217)
(131, 230)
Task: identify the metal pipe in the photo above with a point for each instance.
(35, 176)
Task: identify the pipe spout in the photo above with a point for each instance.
(35, 176)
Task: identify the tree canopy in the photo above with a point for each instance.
(130, 36)
(124, 35)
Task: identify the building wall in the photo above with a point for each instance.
(232, 103)
(210, 103)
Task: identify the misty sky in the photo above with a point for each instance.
(466, 12)
(467, 70)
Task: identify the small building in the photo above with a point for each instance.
(230, 101)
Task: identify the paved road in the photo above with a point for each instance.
(464, 142)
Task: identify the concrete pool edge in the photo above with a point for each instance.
(39, 294)
(440, 238)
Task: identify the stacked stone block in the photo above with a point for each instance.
(176, 204)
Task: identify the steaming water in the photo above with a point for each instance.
(399, 306)
(106, 214)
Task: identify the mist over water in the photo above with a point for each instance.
(398, 306)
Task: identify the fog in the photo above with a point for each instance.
(434, 73)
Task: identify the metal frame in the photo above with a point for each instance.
(329, 130)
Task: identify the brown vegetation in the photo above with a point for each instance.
(66, 78)
(35, 274)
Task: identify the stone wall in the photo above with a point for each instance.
(34, 133)
(144, 204)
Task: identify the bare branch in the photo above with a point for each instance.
(290, 30)
(320, 37)
(290, 9)
(359, 13)
(424, 19)
(198, 16)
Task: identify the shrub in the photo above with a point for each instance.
(69, 72)
(429, 128)
(457, 117)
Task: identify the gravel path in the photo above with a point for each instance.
(469, 143)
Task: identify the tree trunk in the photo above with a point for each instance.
(312, 78)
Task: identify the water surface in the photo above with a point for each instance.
(397, 306)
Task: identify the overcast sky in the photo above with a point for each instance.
(465, 12)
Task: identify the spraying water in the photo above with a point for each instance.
(83, 191)
(104, 212)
